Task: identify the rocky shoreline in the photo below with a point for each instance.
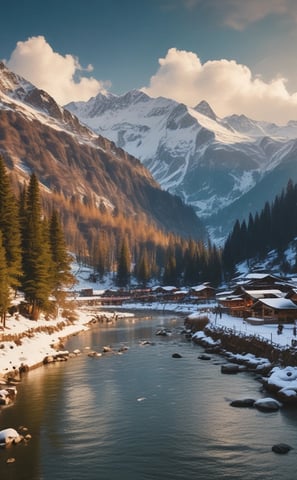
(56, 336)
(275, 367)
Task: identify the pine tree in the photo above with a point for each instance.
(214, 266)
(61, 272)
(10, 228)
(170, 272)
(102, 254)
(123, 265)
(143, 271)
(37, 280)
(190, 264)
(4, 285)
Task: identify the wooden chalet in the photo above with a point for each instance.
(264, 281)
(164, 292)
(234, 304)
(275, 310)
(180, 295)
(202, 292)
(241, 300)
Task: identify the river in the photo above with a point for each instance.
(143, 415)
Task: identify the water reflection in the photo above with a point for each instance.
(144, 415)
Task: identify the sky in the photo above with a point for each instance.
(238, 55)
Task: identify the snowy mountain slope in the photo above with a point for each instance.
(211, 163)
(37, 135)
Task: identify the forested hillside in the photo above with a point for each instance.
(129, 249)
(273, 228)
(33, 253)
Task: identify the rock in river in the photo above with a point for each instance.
(267, 404)
(281, 448)
(244, 403)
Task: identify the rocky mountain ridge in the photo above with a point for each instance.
(224, 167)
(37, 135)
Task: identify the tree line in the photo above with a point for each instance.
(271, 229)
(179, 262)
(33, 255)
(35, 240)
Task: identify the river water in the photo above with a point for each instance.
(143, 415)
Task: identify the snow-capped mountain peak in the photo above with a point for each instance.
(212, 163)
(204, 108)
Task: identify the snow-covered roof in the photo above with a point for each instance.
(224, 293)
(201, 287)
(167, 288)
(262, 293)
(279, 303)
(230, 298)
(259, 276)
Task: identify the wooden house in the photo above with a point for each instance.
(241, 300)
(275, 310)
(164, 293)
(264, 281)
(234, 304)
(202, 292)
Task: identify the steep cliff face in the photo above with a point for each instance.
(38, 135)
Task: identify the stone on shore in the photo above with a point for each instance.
(230, 368)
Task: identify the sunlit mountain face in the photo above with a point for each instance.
(224, 167)
(78, 166)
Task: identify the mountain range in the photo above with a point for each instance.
(74, 163)
(224, 167)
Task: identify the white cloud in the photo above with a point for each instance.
(229, 87)
(58, 75)
(238, 14)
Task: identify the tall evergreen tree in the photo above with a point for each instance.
(143, 271)
(4, 285)
(103, 248)
(37, 280)
(214, 266)
(124, 264)
(170, 272)
(10, 228)
(61, 271)
(190, 264)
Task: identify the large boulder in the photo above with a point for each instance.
(281, 448)
(9, 435)
(230, 368)
(267, 404)
(7, 395)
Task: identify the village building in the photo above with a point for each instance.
(202, 292)
(275, 310)
(261, 297)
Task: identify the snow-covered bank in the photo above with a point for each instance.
(33, 348)
(32, 341)
(40, 339)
